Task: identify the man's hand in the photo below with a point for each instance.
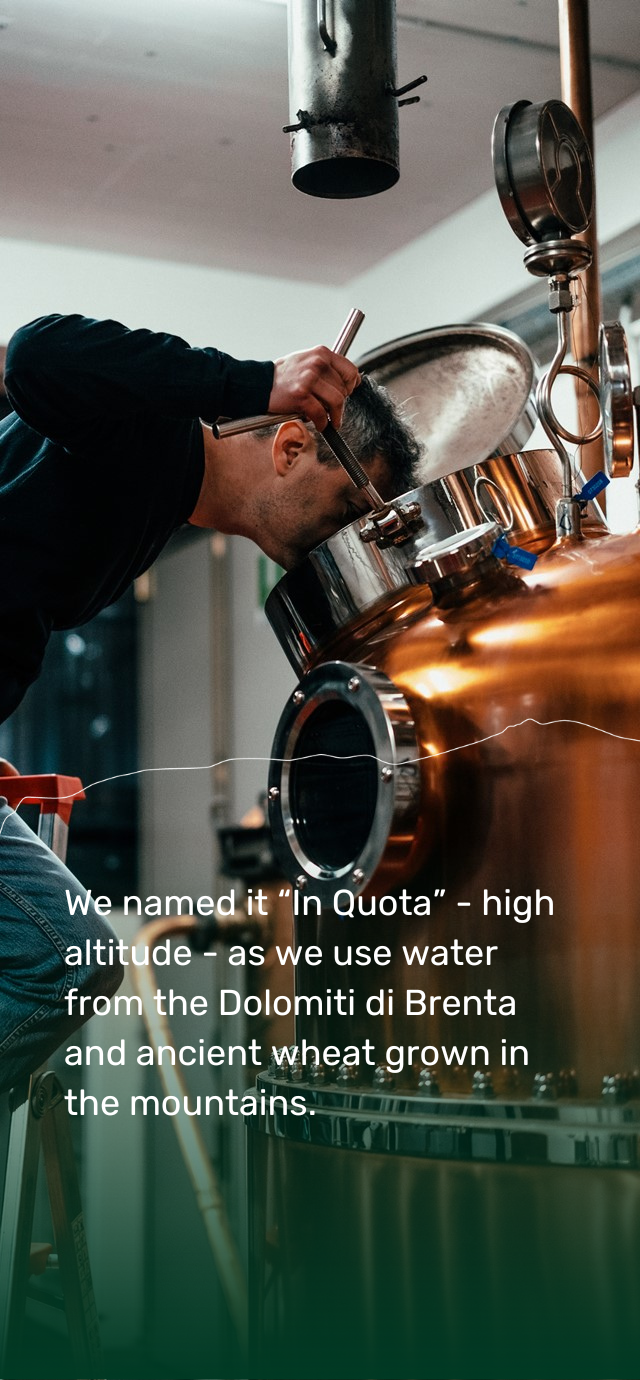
(313, 383)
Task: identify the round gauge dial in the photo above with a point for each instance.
(544, 171)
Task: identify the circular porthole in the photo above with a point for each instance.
(344, 778)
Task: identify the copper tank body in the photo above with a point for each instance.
(472, 1218)
(525, 699)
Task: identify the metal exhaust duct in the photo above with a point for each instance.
(343, 97)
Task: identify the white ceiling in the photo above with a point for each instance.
(153, 127)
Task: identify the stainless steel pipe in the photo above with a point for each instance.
(342, 97)
(575, 73)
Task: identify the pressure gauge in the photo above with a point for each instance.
(543, 170)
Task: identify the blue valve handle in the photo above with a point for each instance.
(514, 555)
(593, 486)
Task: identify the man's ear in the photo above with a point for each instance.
(291, 443)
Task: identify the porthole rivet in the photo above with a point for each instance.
(298, 697)
(357, 875)
(387, 774)
(274, 793)
(354, 684)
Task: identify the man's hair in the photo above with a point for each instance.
(372, 424)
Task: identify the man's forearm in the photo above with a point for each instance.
(67, 374)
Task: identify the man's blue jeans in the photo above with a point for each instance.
(36, 930)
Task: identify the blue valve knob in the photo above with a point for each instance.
(514, 555)
(593, 486)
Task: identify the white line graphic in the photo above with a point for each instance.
(334, 756)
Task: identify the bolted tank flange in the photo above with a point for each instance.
(347, 730)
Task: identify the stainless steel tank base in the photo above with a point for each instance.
(393, 1238)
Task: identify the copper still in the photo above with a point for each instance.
(499, 730)
(451, 792)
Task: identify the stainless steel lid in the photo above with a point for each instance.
(457, 555)
(466, 390)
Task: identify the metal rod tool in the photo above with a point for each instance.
(341, 347)
(334, 440)
(352, 465)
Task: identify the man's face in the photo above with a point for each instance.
(317, 500)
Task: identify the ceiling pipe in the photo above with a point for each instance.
(344, 97)
(575, 72)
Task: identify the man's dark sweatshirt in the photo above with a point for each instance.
(101, 461)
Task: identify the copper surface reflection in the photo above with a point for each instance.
(526, 709)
